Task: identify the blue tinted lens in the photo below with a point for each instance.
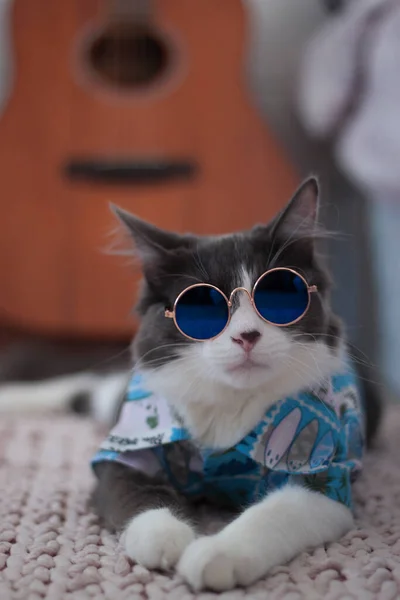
(202, 312)
(281, 297)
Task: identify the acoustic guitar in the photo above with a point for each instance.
(141, 103)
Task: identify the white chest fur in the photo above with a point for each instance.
(219, 416)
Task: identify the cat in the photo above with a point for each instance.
(218, 390)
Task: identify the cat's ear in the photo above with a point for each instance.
(151, 243)
(299, 218)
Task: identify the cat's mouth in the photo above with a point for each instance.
(247, 365)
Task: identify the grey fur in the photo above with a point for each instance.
(121, 493)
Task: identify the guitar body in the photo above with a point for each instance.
(75, 124)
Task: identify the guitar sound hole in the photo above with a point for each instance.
(128, 57)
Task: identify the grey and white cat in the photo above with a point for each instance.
(221, 392)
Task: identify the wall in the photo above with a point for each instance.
(385, 228)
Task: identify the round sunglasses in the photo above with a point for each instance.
(281, 297)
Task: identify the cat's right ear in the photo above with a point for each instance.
(300, 216)
(151, 243)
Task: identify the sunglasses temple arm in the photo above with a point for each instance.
(169, 314)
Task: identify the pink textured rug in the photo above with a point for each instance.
(50, 547)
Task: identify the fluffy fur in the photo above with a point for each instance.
(221, 391)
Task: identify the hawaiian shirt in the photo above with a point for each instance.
(314, 438)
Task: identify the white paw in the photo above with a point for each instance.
(156, 539)
(214, 562)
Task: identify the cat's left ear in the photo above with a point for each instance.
(299, 218)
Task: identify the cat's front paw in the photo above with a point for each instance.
(156, 539)
(220, 563)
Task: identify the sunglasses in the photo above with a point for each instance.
(280, 297)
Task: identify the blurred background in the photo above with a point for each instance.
(199, 116)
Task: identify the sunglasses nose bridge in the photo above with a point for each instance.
(239, 289)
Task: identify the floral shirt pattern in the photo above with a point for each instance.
(314, 438)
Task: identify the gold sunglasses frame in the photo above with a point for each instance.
(311, 289)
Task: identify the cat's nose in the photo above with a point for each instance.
(247, 339)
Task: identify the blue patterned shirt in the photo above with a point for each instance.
(314, 438)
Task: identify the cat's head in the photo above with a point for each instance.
(171, 262)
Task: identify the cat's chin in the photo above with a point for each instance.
(245, 376)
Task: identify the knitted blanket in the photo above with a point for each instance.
(52, 547)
